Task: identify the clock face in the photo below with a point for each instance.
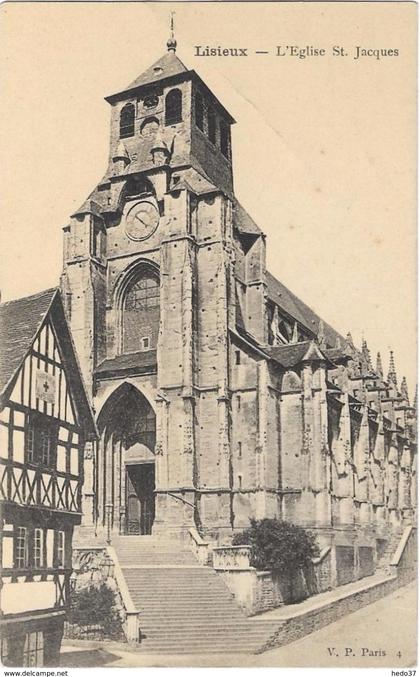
(142, 221)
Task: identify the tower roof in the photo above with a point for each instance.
(165, 67)
(168, 67)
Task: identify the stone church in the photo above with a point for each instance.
(219, 395)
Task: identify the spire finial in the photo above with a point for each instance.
(171, 44)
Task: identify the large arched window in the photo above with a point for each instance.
(173, 107)
(127, 121)
(140, 313)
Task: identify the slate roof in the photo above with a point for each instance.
(138, 362)
(19, 323)
(289, 355)
(166, 67)
(243, 222)
(292, 305)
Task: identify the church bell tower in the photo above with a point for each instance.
(149, 292)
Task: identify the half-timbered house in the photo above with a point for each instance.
(45, 424)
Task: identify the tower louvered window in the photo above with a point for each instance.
(127, 121)
(212, 125)
(173, 107)
(199, 111)
(224, 139)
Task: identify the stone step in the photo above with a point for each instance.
(184, 610)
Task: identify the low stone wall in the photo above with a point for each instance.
(258, 591)
(303, 624)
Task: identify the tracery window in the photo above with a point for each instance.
(140, 311)
(143, 294)
(173, 107)
(127, 116)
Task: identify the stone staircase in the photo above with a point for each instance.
(184, 608)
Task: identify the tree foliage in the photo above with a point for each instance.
(96, 606)
(278, 546)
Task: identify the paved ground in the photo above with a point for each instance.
(382, 634)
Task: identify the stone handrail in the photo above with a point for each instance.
(199, 546)
(405, 538)
(230, 557)
(131, 629)
(322, 555)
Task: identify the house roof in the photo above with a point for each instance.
(293, 306)
(20, 323)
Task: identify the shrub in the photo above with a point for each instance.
(95, 606)
(278, 546)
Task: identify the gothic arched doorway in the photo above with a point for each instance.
(126, 465)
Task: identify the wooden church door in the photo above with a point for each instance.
(140, 501)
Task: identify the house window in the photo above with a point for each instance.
(38, 549)
(224, 139)
(239, 449)
(212, 125)
(240, 481)
(237, 356)
(30, 442)
(41, 440)
(21, 553)
(199, 111)
(60, 549)
(145, 343)
(238, 402)
(127, 121)
(173, 107)
(33, 651)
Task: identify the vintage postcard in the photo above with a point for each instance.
(208, 403)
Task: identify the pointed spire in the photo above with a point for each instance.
(366, 353)
(392, 374)
(171, 44)
(379, 368)
(404, 390)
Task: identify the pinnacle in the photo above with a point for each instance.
(392, 374)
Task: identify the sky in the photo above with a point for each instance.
(324, 149)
